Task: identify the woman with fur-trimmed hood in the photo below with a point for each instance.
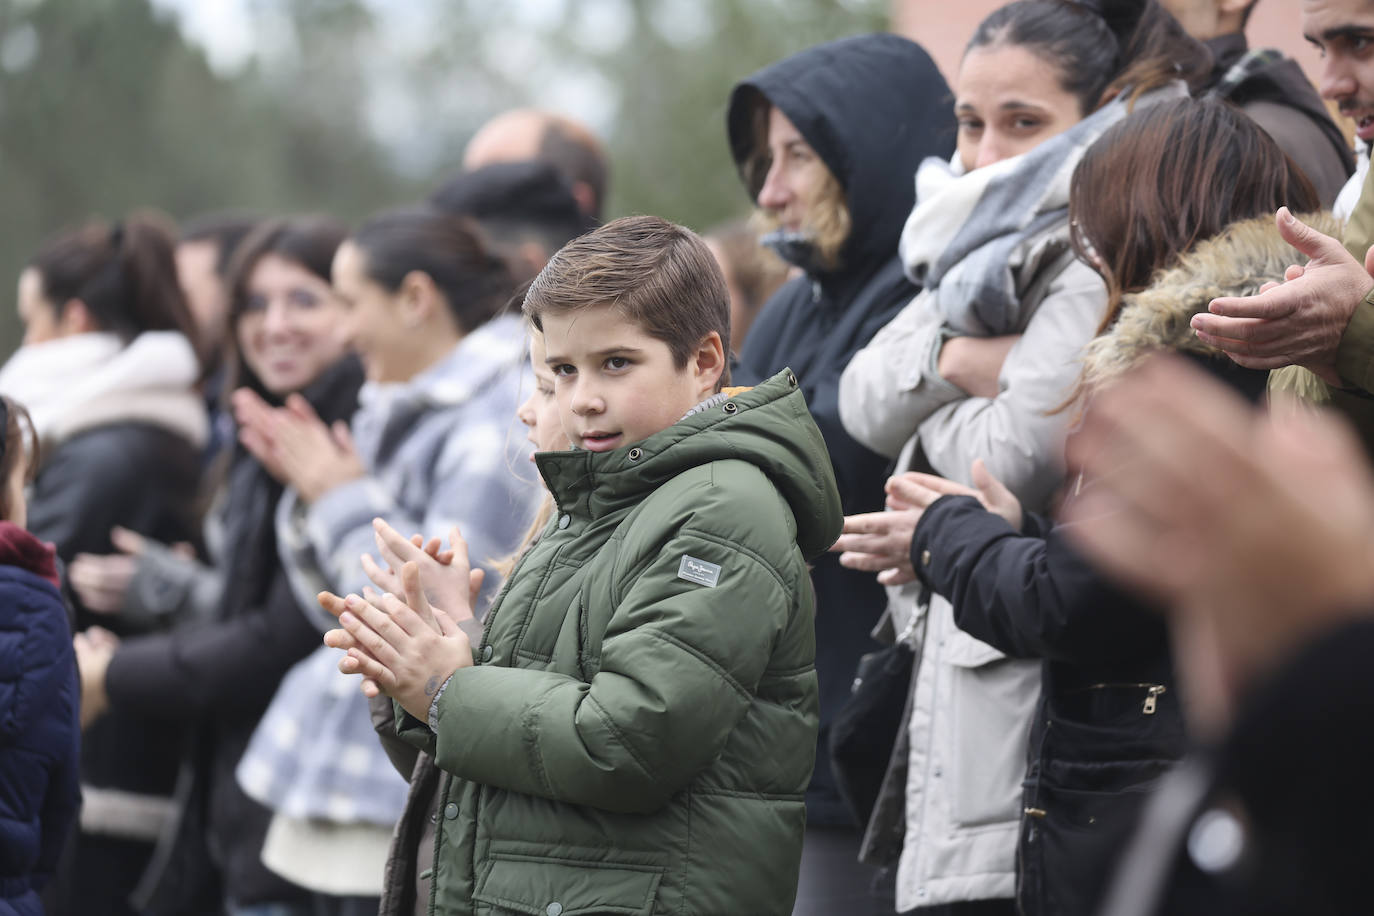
(1173, 207)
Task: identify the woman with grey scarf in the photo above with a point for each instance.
(965, 381)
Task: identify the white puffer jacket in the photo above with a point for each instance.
(972, 707)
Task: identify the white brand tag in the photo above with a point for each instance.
(698, 571)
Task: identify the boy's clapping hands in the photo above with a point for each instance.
(446, 577)
(407, 649)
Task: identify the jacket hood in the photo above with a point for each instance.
(1237, 262)
(768, 426)
(872, 107)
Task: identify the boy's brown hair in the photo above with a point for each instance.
(657, 274)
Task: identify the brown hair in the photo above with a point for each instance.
(21, 444)
(578, 156)
(1167, 177)
(124, 272)
(308, 241)
(657, 274)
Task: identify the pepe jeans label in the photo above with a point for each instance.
(698, 571)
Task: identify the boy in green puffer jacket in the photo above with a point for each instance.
(635, 730)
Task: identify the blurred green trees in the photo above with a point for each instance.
(106, 107)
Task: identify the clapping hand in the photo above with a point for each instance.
(295, 445)
(881, 541)
(407, 649)
(439, 573)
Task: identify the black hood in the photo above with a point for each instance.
(872, 107)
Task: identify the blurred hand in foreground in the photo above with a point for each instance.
(1256, 533)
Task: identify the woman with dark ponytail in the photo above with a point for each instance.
(107, 369)
(432, 448)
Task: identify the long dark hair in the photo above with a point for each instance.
(309, 241)
(473, 279)
(1167, 177)
(124, 272)
(1099, 48)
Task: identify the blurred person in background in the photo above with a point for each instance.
(525, 209)
(1254, 533)
(39, 734)
(107, 370)
(1270, 88)
(147, 580)
(1341, 31)
(205, 248)
(752, 272)
(204, 251)
(432, 448)
(217, 676)
(529, 135)
(826, 142)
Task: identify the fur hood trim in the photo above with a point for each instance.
(1236, 262)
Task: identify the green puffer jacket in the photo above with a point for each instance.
(638, 733)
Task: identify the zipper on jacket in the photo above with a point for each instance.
(1152, 693)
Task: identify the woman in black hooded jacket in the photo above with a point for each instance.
(866, 110)
(870, 108)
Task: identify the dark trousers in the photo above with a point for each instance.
(96, 876)
(833, 880)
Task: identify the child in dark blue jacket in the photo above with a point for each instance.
(39, 732)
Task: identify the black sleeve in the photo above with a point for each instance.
(1026, 596)
(79, 495)
(139, 477)
(226, 666)
(401, 753)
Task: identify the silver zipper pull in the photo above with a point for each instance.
(1152, 699)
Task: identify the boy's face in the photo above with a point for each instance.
(615, 384)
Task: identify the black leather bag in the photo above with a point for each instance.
(864, 732)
